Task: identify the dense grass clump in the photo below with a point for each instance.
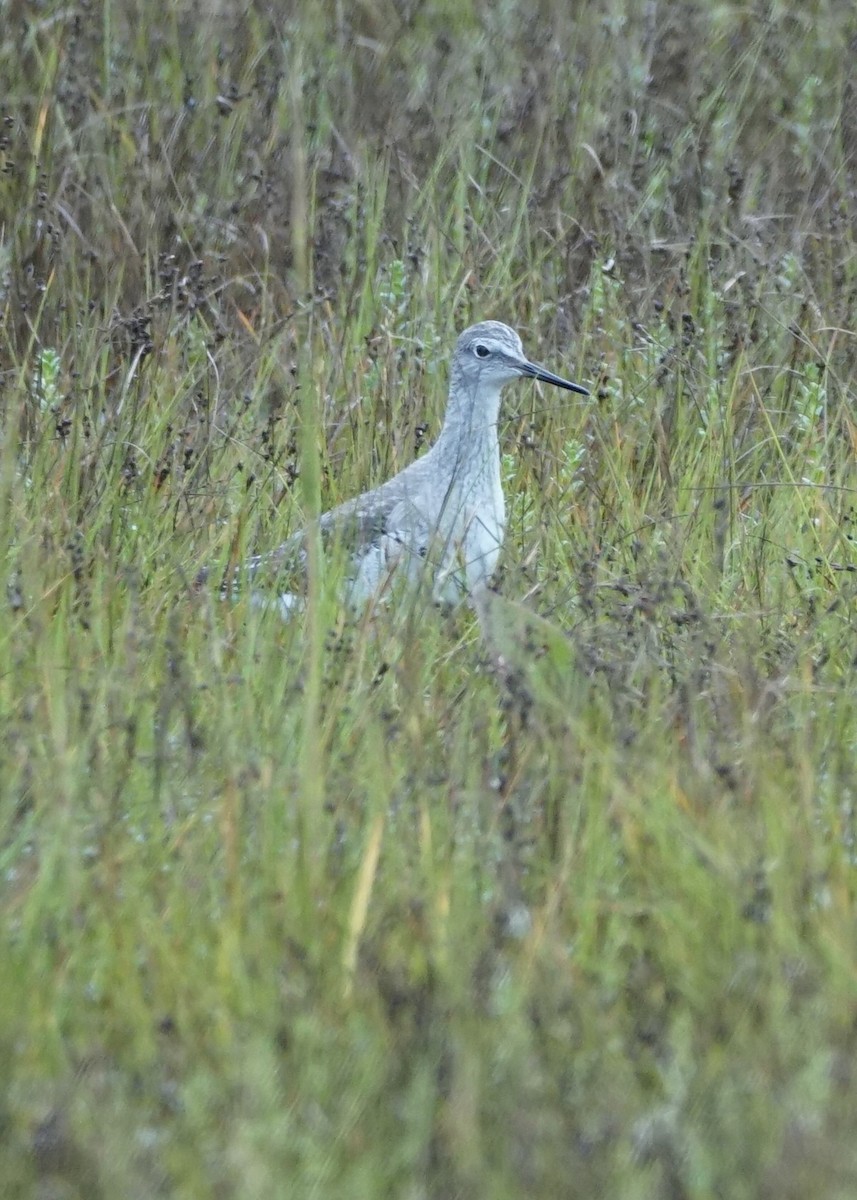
(385, 906)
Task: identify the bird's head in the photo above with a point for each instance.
(490, 354)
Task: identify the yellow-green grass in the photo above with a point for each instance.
(352, 907)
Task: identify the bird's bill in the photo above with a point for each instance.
(538, 372)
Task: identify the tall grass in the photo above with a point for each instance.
(353, 906)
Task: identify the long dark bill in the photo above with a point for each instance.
(546, 376)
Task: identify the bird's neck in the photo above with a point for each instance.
(470, 424)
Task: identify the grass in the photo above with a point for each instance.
(347, 907)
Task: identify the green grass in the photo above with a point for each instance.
(380, 908)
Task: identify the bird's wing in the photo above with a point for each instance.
(355, 527)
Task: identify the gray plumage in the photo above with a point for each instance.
(443, 517)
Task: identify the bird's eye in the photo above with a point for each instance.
(481, 351)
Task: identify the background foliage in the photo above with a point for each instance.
(357, 907)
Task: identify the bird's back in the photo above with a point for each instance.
(433, 516)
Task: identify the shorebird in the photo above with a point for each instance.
(442, 519)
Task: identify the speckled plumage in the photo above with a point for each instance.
(443, 517)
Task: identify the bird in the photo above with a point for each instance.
(440, 520)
